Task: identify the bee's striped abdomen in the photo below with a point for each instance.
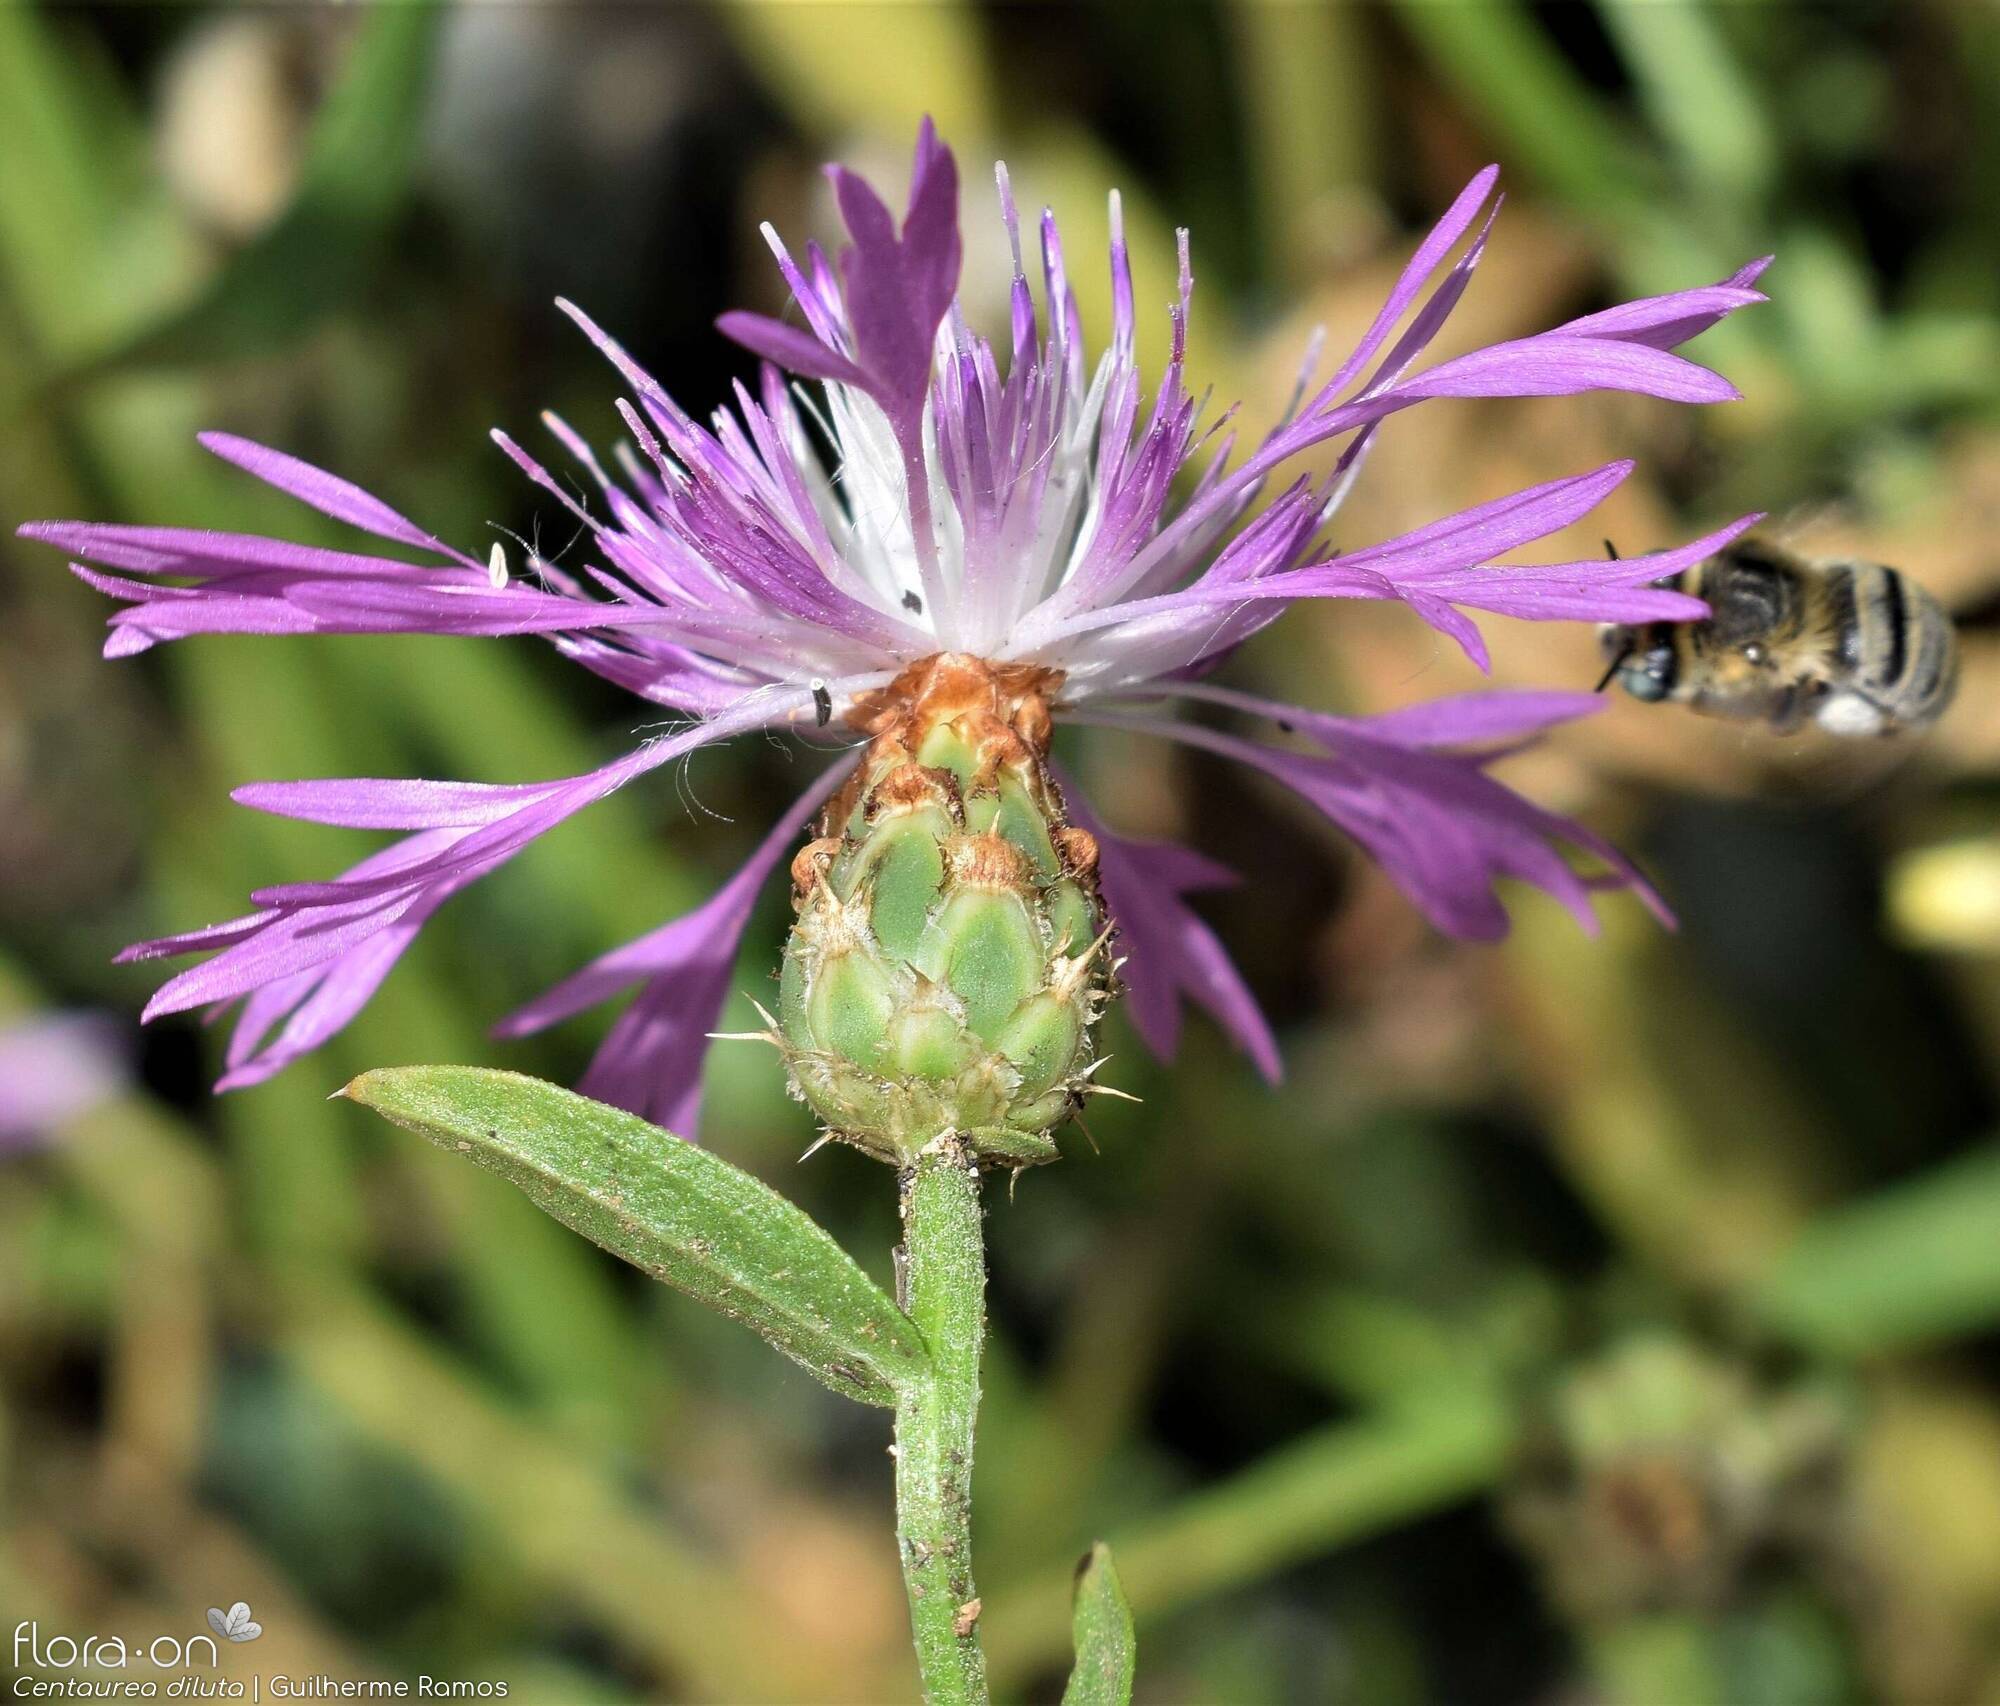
(1903, 655)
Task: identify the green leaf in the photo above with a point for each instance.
(1105, 1650)
(682, 1214)
(1916, 1263)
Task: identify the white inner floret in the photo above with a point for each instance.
(865, 508)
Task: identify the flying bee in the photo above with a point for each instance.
(1858, 648)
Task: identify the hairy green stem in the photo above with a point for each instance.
(944, 1283)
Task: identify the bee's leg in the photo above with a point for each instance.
(1794, 706)
(1616, 664)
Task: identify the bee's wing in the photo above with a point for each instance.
(1824, 772)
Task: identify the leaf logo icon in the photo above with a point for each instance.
(234, 1624)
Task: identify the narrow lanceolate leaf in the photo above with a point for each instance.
(683, 1215)
(1916, 1263)
(1105, 1650)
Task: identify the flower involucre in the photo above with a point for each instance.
(948, 962)
(945, 544)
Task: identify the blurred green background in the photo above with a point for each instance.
(1578, 1322)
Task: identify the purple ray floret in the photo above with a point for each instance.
(896, 484)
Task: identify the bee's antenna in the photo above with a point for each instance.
(1630, 646)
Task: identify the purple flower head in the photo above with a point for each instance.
(56, 1068)
(933, 490)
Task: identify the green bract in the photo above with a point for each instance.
(947, 967)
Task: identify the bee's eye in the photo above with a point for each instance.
(1754, 655)
(1641, 685)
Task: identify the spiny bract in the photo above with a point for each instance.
(947, 966)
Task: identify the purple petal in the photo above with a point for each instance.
(380, 608)
(320, 1002)
(284, 945)
(932, 250)
(651, 1061)
(1663, 322)
(155, 621)
(1438, 569)
(1453, 624)
(129, 642)
(196, 551)
(1594, 589)
(1170, 955)
(1486, 530)
(1527, 602)
(1475, 719)
(391, 804)
(1430, 252)
(1442, 829)
(492, 839)
(327, 493)
(317, 951)
(1558, 365)
(1551, 364)
(792, 349)
(1501, 715)
(898, 290)
(221, 935)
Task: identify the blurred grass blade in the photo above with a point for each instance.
(355, 176)
(1915, 1263)
(871, 71)
(681, 1214)
(88, 249)
(1307, 78)
(1544, 114)
(1697, 97)
(564, 1523)
(1831, 320)
(1336, 1485)
(1105, 1650)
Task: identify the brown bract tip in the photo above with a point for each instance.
(1032, 721)
(810, 862)
(1079, 850)
(909, 787)
(955, 686)
(987, 861)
